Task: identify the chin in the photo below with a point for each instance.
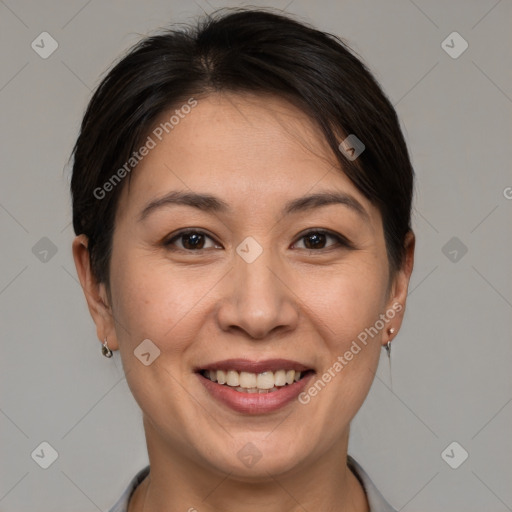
(256, 460)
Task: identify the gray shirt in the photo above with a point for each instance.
(375, 498)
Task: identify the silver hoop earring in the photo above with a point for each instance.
(105, 350)
(387, 346)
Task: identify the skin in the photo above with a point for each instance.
(200, 306)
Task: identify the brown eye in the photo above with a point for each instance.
(315, 241)
(190, 241)
(318, 239)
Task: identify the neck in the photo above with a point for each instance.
(176, 482)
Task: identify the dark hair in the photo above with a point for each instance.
(241, 51)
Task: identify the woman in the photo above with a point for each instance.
(241, 200)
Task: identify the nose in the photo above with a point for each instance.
(258, 299)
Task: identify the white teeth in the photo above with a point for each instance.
(265, 380)
(259, 391)
(248, 382)
(233, 379)
(221, 376)
(280, 378)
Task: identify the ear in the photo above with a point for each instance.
(400, 285)
(95, 293)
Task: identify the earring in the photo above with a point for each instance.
(387, 346)
(105, 350)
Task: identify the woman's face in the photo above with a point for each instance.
(255, 277)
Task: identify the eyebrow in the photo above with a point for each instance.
(210, 203)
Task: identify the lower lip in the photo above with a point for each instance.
(255, 403)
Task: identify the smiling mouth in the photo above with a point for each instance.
(247, 382)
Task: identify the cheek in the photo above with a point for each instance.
(354, 342)
(346, 300)
(152, 300)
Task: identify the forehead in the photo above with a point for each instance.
(254, 150)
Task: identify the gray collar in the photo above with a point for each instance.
(375, 498)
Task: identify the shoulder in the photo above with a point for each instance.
(121, 504)
(376, 501)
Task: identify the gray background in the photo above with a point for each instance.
(451, 361)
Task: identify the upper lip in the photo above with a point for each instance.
(245, 365)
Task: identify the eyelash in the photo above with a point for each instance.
(341, 241)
